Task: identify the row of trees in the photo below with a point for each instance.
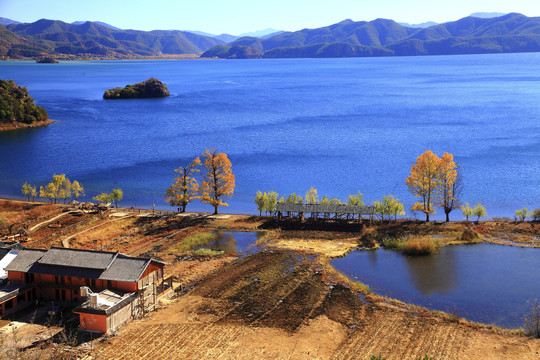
(522, 214)
(59, 188)
(479, 211)
(62, 188)
(217, 181)
(116, 195)
(267, 202)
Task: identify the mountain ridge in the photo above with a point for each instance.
(511, 32)
(90, 39)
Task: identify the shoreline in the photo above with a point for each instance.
(19, 125)
(324, 246)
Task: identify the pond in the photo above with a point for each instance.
(492, 284)
(233, 242)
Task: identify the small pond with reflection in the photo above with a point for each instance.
(234, 242)
(486, 283)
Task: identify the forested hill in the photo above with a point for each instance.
(53, 37)
(16, 106)
(470, 35)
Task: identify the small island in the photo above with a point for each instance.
(151, 88)
(17, 108)
(47, 60)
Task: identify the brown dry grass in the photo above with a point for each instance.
(19, 212)
(327, 248)
(110, 229)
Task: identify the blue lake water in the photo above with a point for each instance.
(340, 125)
(487, 283)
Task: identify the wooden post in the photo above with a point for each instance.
(279, 215)
(301, 217)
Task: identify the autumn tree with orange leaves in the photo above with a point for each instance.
(437, 182)
(218, 180)
(423, 182)
(185, 187)
(450, 185)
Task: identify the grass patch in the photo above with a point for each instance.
(192, 241)
(413, 245)
(419, 245)
(211, 252)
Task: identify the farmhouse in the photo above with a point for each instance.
(110, 287)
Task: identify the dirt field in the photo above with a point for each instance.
(279, 305)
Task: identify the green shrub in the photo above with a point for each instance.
(391, 243)
(470, 236)
(373, 357)
(212, 252)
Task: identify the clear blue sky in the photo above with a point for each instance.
(238, 16)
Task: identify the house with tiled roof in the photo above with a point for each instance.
(75, 275)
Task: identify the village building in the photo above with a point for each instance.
(110, 287)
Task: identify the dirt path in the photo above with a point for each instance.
(35, 227)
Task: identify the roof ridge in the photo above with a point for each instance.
(82, 250)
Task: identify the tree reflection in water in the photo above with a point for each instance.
(234, 242)
(432, 274)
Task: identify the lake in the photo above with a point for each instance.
(340, 125)
(491, 284)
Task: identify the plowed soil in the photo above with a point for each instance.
(279, 305)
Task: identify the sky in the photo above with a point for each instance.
(239, 16)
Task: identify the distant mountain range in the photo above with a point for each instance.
(90, 39)
(5, 21)
(263, 34)
(471, 35)
(381, 37)
(96, 22)
(421, 25)
(484, 15)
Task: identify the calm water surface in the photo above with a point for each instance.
(234, 242)
(492, 284)
(340, 125)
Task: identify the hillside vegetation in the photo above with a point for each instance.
(147, 89)
(16, 105)
(381, 37)
(89, 39)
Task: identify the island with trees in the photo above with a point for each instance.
(150, 88)
(47, 60)
(17, 108)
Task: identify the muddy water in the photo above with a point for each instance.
(234, 242)
(487, 283)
